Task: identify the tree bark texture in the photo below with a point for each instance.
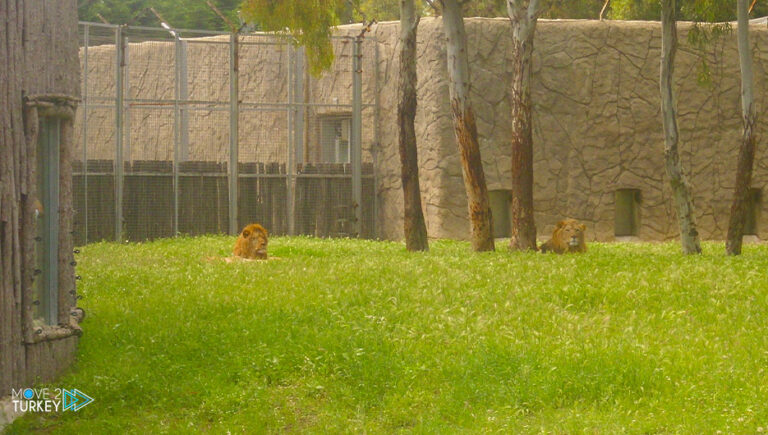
(465, 128)
(747, 148)
(413, 220)
(523, 17)
(39, 76)
(14, 179)
(689, 236)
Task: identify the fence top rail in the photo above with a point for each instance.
(92, 24)
(212, 32)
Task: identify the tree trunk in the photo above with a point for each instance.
(465, 128)
(413, 219)
(689, 236)
(747, 148)
(523, 227)
(14, 176)
(39, 76)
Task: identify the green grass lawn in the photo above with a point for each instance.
(352, 336)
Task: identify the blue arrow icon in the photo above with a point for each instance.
(75, 399)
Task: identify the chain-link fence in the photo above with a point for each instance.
(192, 132)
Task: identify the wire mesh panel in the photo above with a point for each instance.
(150, 130)
(204, 139)
(167, 113)
(324, 195)
(95, 136)
(264, 132)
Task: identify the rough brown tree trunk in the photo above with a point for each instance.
(523, 17)
(39, 76)
(747, 148)
(465, 128)
(413, 220)
(14, 177)
(689, 236)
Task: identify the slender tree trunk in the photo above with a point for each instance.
(465, 128)
(523, 16)
(413, 219)
(747, 148)
(689, 236)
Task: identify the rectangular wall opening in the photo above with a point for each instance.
(626, 212)
(334, 138)
(499, 200)
(752, 215)
(47, 221)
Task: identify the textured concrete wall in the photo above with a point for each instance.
(597, 125)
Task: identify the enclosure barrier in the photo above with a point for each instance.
(195, 132)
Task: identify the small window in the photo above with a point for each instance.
(334, 138)
(500, 211)
(626, 218)
(47, 221)
(752, 215)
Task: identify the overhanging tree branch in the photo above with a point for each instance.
(602, 11)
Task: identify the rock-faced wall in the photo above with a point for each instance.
(597, 125)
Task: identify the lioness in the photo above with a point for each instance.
(251, 243)
(567, 237)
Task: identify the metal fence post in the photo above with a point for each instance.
(355, 150)
(119, 44)
(176, 132)
(234, 117)
(376, 141)
(86, 37)
(184, 96)
(291, 170)
(300, 111)
(126, 107)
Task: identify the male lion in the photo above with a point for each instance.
(251, 243)
(567, 237)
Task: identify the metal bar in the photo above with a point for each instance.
(222, 175)
(376, 138)
(176, 136)
(119, 134)
(162, 30)
(85, 132)
(234, 134)
(291, 181)
(202, 32)
(90, 24)
(126, 107)
(183, 96)
(48, 163)
(53, 171)
(251, 106)
(300, 112)
(306, 96)
(355, 148)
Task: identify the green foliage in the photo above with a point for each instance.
(635, 10)
(701, 36)
(361, 336)
(703, 11)
(181, 14)
(379, 10)
(579, 9)
(309, 22)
